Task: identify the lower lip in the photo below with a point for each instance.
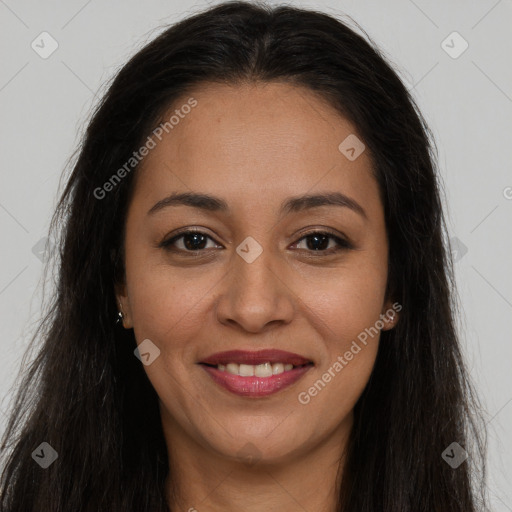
(256, 386)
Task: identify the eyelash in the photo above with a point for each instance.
(343, 245)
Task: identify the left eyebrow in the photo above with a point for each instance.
(300, 203)
(291, 205)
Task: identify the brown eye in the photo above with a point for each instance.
(190, 241)
(318, 241)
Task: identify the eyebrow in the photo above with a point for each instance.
(291, 205)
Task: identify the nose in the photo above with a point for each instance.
(255, 296)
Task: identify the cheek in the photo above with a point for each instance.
(347, 312)
(167, 303)
(346, 300)
(347, 308)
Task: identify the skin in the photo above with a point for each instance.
(255, 146)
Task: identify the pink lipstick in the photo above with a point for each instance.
(255, 374)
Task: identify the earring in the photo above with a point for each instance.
(120, 315)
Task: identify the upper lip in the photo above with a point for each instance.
(256, 357)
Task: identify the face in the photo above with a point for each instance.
(282, 280)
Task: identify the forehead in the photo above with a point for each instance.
(246, 141)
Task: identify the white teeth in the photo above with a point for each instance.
(233, 368)
(277, 368)
(259, 370)
(263, 370)
(246, 370)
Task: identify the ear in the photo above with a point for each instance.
(123, 305)
(390, 314)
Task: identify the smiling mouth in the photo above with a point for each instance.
(267, 369)
(255, 384)
(255, 374)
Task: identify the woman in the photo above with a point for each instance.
(255, 300)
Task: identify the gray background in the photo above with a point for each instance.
(467, 102)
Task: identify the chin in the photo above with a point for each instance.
(265, 448)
